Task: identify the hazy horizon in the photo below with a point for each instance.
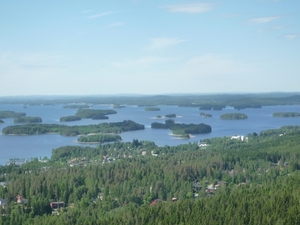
(149, 48)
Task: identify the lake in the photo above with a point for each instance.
(42, 145)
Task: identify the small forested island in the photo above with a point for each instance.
(172, 115)
(32, 129)
(118, 106)
(99, 138)
(76, 106)
(94, 113)
(69, 118)
(152, 109)
(234, 116)
(11, 114)
(286, 114)
(205, 114)
(1, 121)
(28, 119)
(182, 129)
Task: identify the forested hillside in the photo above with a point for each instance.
(219, 181)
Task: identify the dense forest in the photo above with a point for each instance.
(219, 181)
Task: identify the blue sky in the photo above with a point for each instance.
(149, 47)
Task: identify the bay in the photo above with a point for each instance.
(42, 145)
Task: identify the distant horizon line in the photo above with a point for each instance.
(139, 94)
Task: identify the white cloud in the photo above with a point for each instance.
(114, 25)
(144, 62)
(190, 8)
(100, 15)
(163, 42)
(291, 36)
(266, 19)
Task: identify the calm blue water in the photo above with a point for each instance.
(42, 145)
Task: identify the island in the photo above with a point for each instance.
(11, 114)
(183, 129)
(172, 115)
(205, 114)
(100, 117)
(99, 138)
(69, 118)
(118, 106)
(286, 114)
(234, 116)
(1, 121)
(152, 109)
(32, 129)
(94, 113)
(28, 119)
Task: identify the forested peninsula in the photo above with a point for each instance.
(11, 114)
(227, 182)
(32, 129)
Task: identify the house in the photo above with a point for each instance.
(57, 205)
(2, 202)
(155, 201)
(154, 153)
(21, 200)
(203, 145)
(196, 186)
(240, 138)
(3, 184)
(220, 183)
